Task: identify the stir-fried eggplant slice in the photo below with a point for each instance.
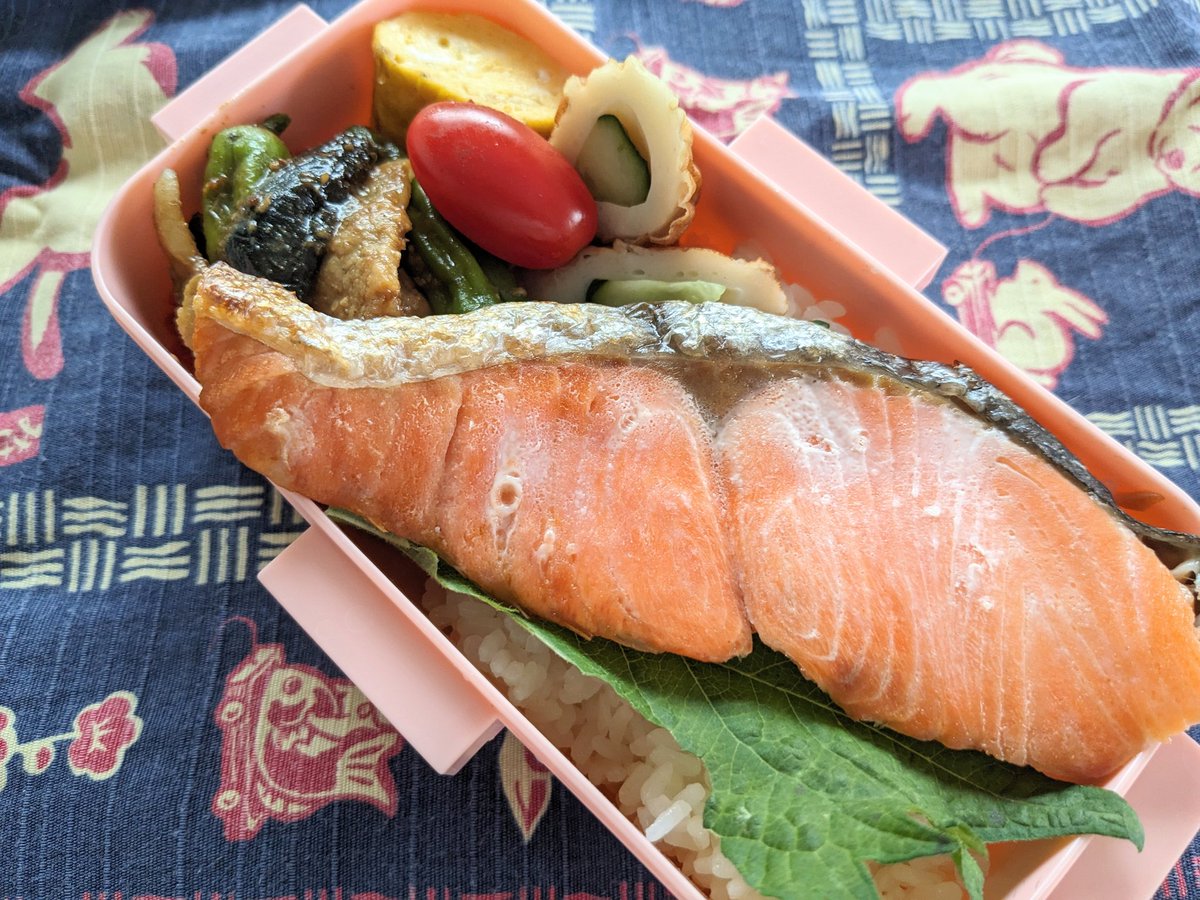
(283, 228)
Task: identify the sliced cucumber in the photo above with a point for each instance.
(644, 290)
(611, 166)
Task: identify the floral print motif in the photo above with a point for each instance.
(46, 230)
(100, 735)
(104, 731)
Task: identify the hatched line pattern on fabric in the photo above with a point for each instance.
(165, 532)
(1165, 437)
(862, 114)
(930, 21)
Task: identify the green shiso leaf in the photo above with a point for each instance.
(802, 795)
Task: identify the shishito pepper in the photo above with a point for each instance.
(237, 160)
(453, 280)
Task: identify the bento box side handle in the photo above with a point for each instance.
(841, 202)
(231, 75)
(439, 713)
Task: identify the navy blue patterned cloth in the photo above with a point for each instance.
(1052, 147)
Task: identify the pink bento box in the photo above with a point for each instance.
(820, 228)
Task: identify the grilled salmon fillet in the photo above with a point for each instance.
(532, 480)
(676, 477)
(929, 573)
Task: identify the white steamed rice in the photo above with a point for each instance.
(638, 765)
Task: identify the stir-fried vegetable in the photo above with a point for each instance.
(173, 232)
(281, 229)
(451, 278)
(239, 158)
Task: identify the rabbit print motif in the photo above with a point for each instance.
(1028, 316)
(1029, 134)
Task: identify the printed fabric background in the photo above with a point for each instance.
(167, 731)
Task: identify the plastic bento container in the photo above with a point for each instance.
(822, 231)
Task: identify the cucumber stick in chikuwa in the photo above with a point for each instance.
(620, 292)
(611, 166)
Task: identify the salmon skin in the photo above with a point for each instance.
(677, 477)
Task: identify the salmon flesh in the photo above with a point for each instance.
(678, 477)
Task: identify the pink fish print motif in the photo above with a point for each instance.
(100, 98)
(721, 107)
(294, 740)
(1028, 317)
(526, 783)
(1029, 134)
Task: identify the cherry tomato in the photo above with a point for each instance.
(501, 184)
